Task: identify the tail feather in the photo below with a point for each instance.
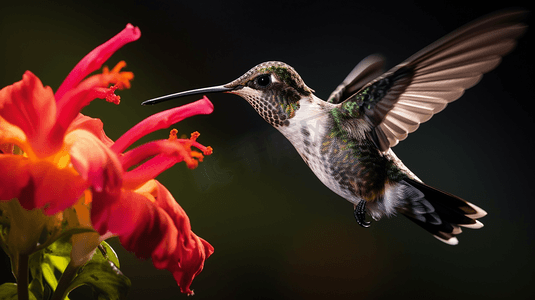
(438, 212)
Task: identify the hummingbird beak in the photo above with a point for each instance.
(208, 90)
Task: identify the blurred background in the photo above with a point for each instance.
(278, 232)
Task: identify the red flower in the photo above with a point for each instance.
(67, 157)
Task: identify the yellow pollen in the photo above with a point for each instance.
(63, 161)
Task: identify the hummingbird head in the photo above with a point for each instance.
(273, 89)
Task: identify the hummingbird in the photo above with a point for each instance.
(347, 140)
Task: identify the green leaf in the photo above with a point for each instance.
(8, 291)
(50, 262)
(102, 274)
(36, 286)
(107, 253)
(55, 257)
(65, 236)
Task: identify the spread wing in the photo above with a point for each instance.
(365, 71)
(412, 92)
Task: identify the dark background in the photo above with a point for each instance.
(278, 232)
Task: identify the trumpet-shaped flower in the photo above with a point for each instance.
(68, 161)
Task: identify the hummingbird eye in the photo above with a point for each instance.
(263, 80)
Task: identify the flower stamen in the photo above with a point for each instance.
(121, 79)
(111, 97)
(172, 134)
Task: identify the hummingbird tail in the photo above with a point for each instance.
(440, 213)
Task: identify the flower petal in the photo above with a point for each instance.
(30, 106)
(164, 153)
(95, 162)
(94, 60)
(141, 226)
(11, 134)
(188, 259)
(94, 87)
(74, 94)
(148, 170)
(191, 262)
(150, 223)
(14, 175)
(93, 125)
(162, 120)
(50, 188)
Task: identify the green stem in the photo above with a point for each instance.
(23, 277)
(65, 281)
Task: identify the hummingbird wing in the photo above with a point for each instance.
(365, 71)
(397, 102)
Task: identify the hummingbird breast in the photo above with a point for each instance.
(352, 168)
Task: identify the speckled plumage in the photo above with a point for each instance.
(352, 168)
(278, 103)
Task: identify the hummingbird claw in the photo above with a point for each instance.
(360, 214)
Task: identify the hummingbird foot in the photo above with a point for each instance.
(360, 214)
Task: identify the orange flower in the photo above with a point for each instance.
(66, 157)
